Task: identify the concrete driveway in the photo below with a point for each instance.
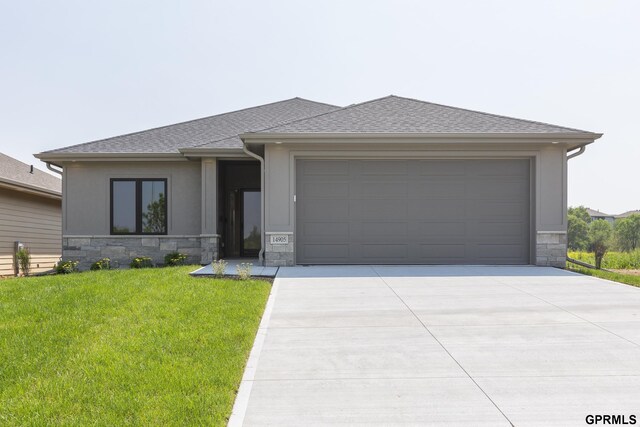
(442, 345)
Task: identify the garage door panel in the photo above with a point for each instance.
(440, 168)
(443, 251)
(434, 229)
(327, 190)
(325, 210)
(385, 251)
(483, 189)
(381, 209)
(319, 229)
(329, 168)
(326, 251)
(385, 229)
(384, 190)
(413, 212)
(436, 209)
(383, 167)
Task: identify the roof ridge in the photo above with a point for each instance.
(184, 122)
(322, 114)
(338, 108)
(489, 114)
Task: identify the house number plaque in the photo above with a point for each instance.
(279, 239)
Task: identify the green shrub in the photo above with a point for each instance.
(174, 258)
(141, 262)
(24, 260)
(103, 264)
(612, 260)
(66, 267)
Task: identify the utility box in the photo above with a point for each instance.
(16, 265)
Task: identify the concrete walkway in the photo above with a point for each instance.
(442, 345)
(257, 270)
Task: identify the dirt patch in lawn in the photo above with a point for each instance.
(632, 272)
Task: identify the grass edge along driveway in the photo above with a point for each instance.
(627, 279)
(146, 347)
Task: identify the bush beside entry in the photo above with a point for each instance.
(141, 262)
(174, 258)
(103, 264)
(66, 267)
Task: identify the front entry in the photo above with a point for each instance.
(239, 209)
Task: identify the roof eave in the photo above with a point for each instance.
(64, 157)
(213, 152)
(30, 189)
(570, 138)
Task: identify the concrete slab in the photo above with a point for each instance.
(442, 345)
(428, 401)
(563, 401)
(332, 353)
(257, 270)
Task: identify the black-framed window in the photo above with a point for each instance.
(138, 206)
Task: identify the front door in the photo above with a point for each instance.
(250, 223)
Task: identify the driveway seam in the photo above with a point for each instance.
(571, 313)
(444, 348)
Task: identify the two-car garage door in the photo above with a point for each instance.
(412, 211)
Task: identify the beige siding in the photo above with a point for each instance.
(34, 221)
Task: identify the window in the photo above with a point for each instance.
(138, 206)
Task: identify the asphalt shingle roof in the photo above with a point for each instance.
(389, 115)
(14, 170)
(226, 126)
(394, 114)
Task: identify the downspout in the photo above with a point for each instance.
(262, 177)
(52, 169)
(577, 153)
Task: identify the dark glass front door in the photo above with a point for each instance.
(250, 207)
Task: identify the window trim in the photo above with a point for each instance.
(138, 195)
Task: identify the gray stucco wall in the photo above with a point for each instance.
(86, 194)
(86, 209)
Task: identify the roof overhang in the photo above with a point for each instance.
(106, 157)
(29, 189)
(569, 139)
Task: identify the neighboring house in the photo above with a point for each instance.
(594, 214)
(389, 181)
(627, 214)
(30, 213)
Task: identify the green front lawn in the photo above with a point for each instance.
(146, 347)
(628, 279)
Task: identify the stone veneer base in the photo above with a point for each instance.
(122, 249)
(551, 248)
(279, 255)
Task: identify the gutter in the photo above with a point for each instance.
(577, 153)
(52, 169)
(262, 178)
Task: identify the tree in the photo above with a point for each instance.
(580, 212)
(577, 233)
(600, 233)
(154, 219)
(627, 232)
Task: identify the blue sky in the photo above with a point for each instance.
(74, 71)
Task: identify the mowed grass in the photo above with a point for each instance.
(628, 279)
(142, 347)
